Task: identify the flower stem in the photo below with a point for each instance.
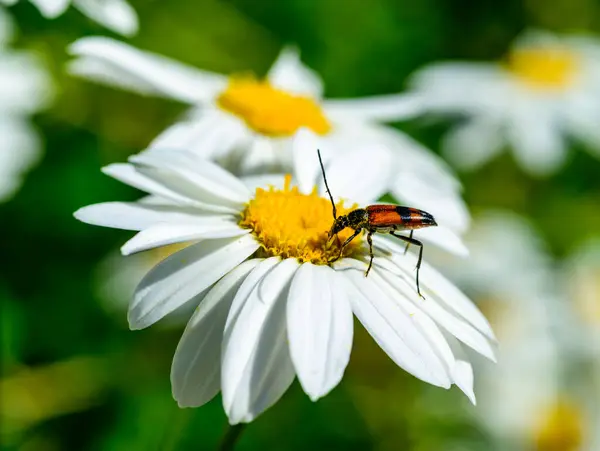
(231, 437)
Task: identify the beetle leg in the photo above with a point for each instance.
(350, 238)
(416, 243)
(408, 243)
(370, 241)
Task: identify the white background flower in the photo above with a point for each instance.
(117, 15)
(250, 127)
(546, 91)
(249, 303)
(528, 398)
(24, 89)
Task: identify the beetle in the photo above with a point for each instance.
(380, 219)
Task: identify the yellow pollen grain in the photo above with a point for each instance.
(271, 111)
(560, 429)
(290, 224)
(544, 68)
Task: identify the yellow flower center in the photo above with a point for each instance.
(290, 224)
(560, 428)
(271, 111)
(544, 67)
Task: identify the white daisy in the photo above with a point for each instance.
(117, 15)
(270, 306)
(539, 397)
(249, 125)
(546, 90)
(24, 89)
(530, 400)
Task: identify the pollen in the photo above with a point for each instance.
(544, 68)
(290, 224)
(271, 111)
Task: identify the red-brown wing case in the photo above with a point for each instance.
(390, 215)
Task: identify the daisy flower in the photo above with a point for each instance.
(270, 304)
(24, 89)
(249, 125)
(535, 399)
(117, 15)
(528, 400)
(546, 90)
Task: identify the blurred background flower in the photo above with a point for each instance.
(547, 89)
(117, 15)
(531, 399)
(100, 386)
(24, 90)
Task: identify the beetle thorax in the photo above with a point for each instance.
(356, 219)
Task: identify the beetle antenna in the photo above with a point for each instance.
(326, 185)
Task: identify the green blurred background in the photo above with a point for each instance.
(75, 378)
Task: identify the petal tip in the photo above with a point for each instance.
(134, 322)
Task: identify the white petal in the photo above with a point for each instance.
(385, 108)
(153, 73)
(196, 369)
(266, 181)
(116, 15)
(128, 174)
(102, 72)
(448, 349)
(444, 204)
(459, 328)
(414, 158)
(433, 306)
(257, 368)
(319, 321)
(583, 122)
(184, 275)
(289, 74)
(441, 237)
(392, 328)
(139, 216)
(474, 143)
(206, 132)
(24, 86)
(164, 234)
(306, 163)
(462, 373)
(51, 8)
(361, 179)
(192, 176)
(245, 290)
(19, 151)
(462, 88)
(262, 154)
(441, 288)
(537, 142)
